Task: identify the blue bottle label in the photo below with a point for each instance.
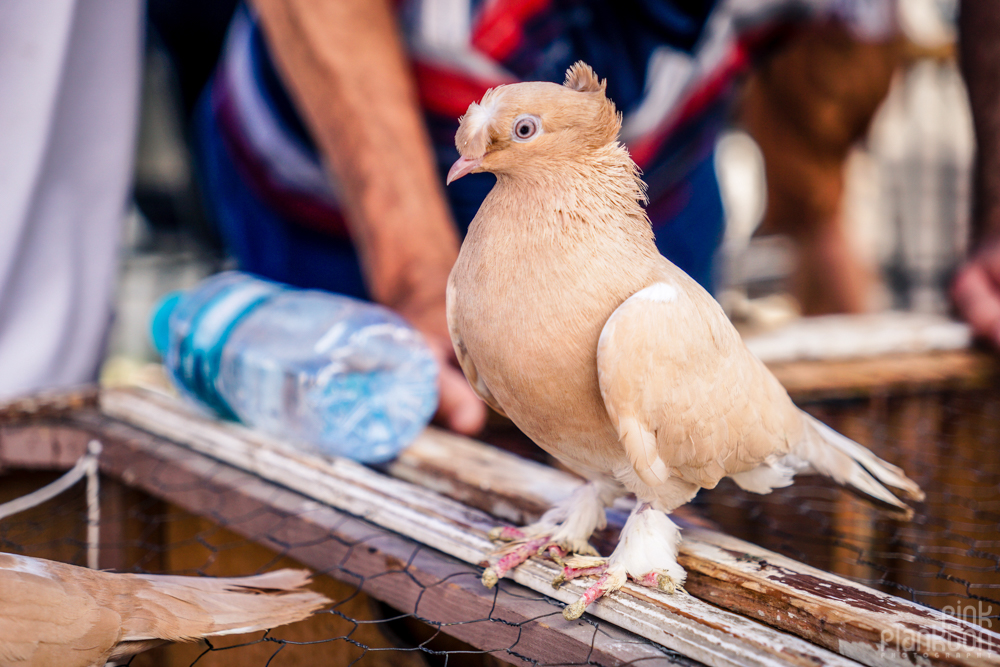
(199, 354)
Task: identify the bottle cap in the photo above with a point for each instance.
(159, 323)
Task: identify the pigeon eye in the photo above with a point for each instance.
(526, 128)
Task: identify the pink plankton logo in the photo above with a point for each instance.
(967, 631)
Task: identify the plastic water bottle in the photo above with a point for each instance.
(336, 375)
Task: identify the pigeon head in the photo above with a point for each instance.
(524, 126)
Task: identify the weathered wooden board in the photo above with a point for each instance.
(513, 623)
(680, 621)
(857, 621)
(896, 374)
(870, 336)
(871, 626)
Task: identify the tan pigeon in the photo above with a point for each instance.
(57, 614)
(566, 318)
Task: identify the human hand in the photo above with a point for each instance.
(976, 291)
(459, 409)
(346, 67)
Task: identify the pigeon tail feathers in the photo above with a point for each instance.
(846, 462)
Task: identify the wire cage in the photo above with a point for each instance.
(402, 598)
(160, 537)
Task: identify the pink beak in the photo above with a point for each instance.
(462, 166)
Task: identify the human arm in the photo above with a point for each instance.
(976, 289)
(344, 65)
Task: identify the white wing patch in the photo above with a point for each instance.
(33, 566)
(657, 293)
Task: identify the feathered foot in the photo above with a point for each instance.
(563, 530)
(646, 554)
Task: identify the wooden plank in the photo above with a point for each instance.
(512, 623)
(859, 336)
(816, 380)
(57, 445)
(50, 405)
(870, 626)
(680, 621)
(883, 630)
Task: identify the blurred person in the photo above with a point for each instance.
(976, 288)
(326, 133)
(69, 98)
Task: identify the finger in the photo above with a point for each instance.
(459, 408)
(978, 301)
(442, 348)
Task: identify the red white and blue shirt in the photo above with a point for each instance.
(672, 68)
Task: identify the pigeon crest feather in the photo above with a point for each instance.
(580, 76)
(579, 108)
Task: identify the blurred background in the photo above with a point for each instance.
(896, 202)
(904, 208)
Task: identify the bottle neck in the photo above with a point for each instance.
(195, 356)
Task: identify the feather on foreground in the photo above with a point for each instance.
(565, 317)
(57, 614)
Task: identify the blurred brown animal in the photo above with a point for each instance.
(57, 614)
(806, 106)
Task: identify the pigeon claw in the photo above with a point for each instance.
(513, 556)
(555, 552)
(490, 577)
(521, 547)
(505, 534)
(659, 581)
(575, 610)
(607, 583)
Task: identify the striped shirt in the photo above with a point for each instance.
(672, 68)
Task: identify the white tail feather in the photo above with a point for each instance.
(774, 473)
(849, 463)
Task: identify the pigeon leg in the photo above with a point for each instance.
(646, 554)
(565, 529)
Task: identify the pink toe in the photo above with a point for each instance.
(510, 533)
(599, 588)
(557, 553)
(519, 554)
(570, 573)
(649, 580)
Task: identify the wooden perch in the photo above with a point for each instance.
(680, 622)
(846, 617)
(511, 622)
(855, 621)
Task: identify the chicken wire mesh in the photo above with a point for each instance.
(141, 532)
(947, 557)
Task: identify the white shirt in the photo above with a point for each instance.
(69, 94)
